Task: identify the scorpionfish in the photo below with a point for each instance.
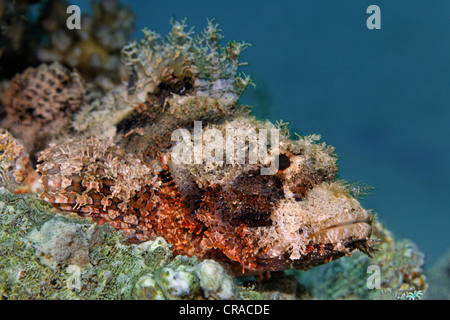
(213, 201)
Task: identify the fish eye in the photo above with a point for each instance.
(282, 162)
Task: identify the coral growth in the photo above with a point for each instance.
(60, 243)
(35, 32)
(39, 103)
(101, 117)
(401, 262)
(94, 50)
(214, 281)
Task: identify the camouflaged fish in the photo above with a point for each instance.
(120, 166)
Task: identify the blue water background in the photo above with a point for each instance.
(381, 97)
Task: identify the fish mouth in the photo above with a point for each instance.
(344, 230)
(333, 239)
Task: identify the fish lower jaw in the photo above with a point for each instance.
(342, 234)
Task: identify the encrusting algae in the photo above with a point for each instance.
(255, 200)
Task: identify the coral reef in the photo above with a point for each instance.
(94, 50)
(33, 32)
(401, 263)
(279, 286)
(215, 282)
(40, 102)
(101, 116)
(59, 243)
